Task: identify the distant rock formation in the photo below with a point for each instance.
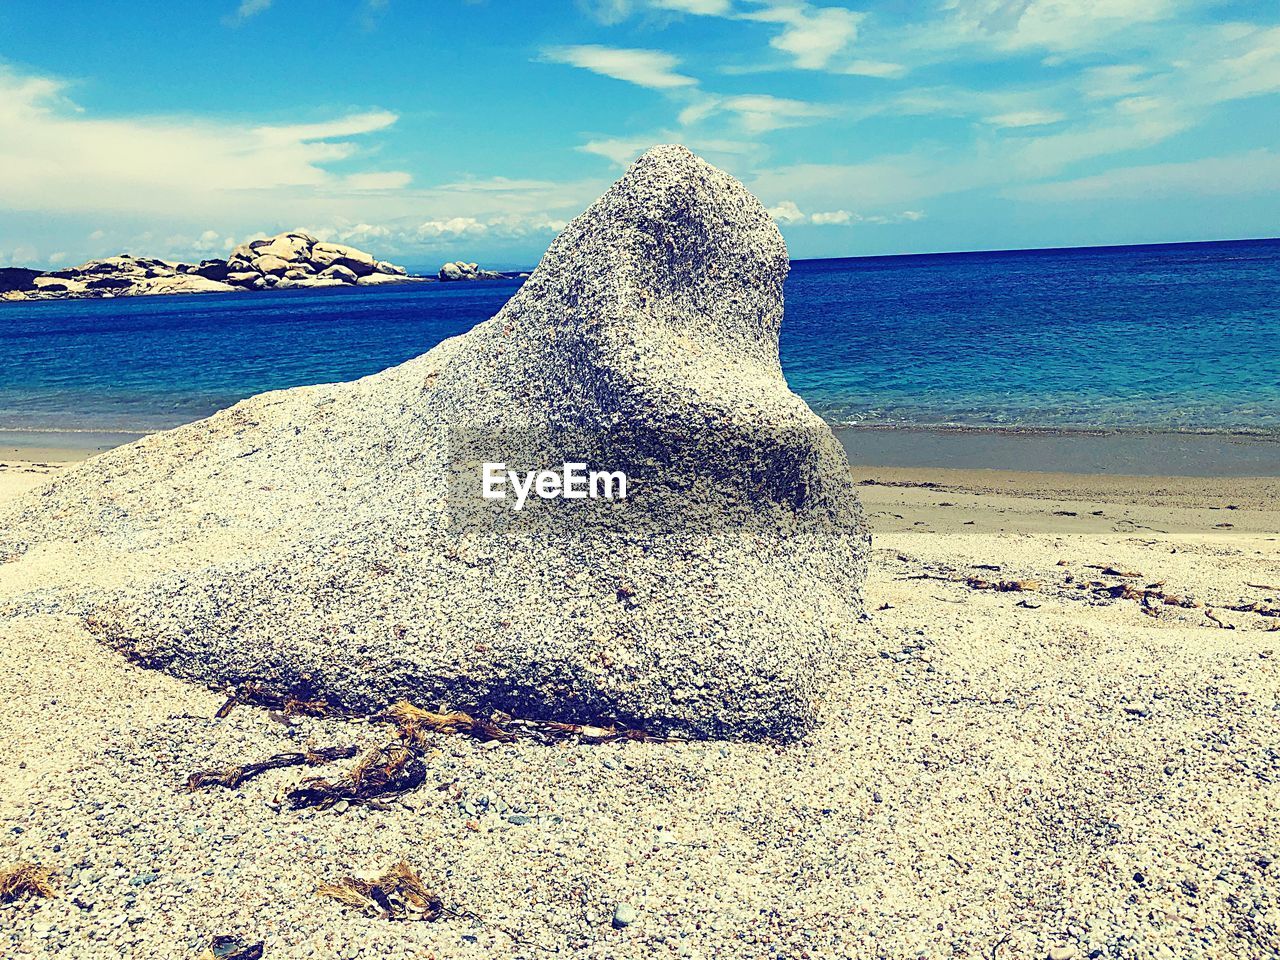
(457, 270)
(293, 259)
(17, 278)
(334, 539)
(297, 259)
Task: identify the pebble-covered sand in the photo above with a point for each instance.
(1038, 773)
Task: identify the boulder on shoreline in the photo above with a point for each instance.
(334, 539)
(292, 259)
(458, 270)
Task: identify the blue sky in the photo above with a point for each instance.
(474, 130)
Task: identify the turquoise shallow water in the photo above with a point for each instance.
(1162, 338)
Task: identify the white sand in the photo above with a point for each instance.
(998, 774)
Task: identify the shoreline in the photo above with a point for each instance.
(966, 500)
(1075, 451)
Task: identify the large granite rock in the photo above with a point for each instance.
(459, 270)
(334, 538)
(308, 262)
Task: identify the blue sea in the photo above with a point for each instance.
(1172, 337)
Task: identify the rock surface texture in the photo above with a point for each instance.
(333, 538)
(293, 259)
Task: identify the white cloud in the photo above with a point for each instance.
(705, 8)
(698, 110)
(454, 226)
(621, 151)
(56, 158)
(871, 68)
(211, 241)
(251, 8)
(831, 217)
(811, 36)
(786, 212)
(1249, 65)
(645, 68)
(789, 213)
(1256, 171)
(197, 182)
(1025, 118)
(388, 180)
(499, 185)
(1054, 25)
(1049, 154)
(1112, 81)
(761, 112)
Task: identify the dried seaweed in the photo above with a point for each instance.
(232, 777)
(290, 704)
(1260, 609)
(1150, 596)
(381, 772)
(1110, 571)
(1002, 586)
(26, 879)
(387, 771)
(414, 721)
(1209, 614)
(399, 894)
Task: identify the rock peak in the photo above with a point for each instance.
(675, 247)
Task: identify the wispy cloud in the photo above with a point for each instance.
(645, 68)
(811, 36)
(1061, 26)
(251, 8)
(712, 8)
(207, 180)
(56, 157)
(1025, 118)
(388, 180)
(620, 151)
(1255, 171)
(758, 112)
(788, 213)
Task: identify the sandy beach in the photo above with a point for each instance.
(1049, 769)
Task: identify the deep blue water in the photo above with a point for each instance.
(1167, 337)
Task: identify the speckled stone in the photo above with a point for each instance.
(334, 536)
